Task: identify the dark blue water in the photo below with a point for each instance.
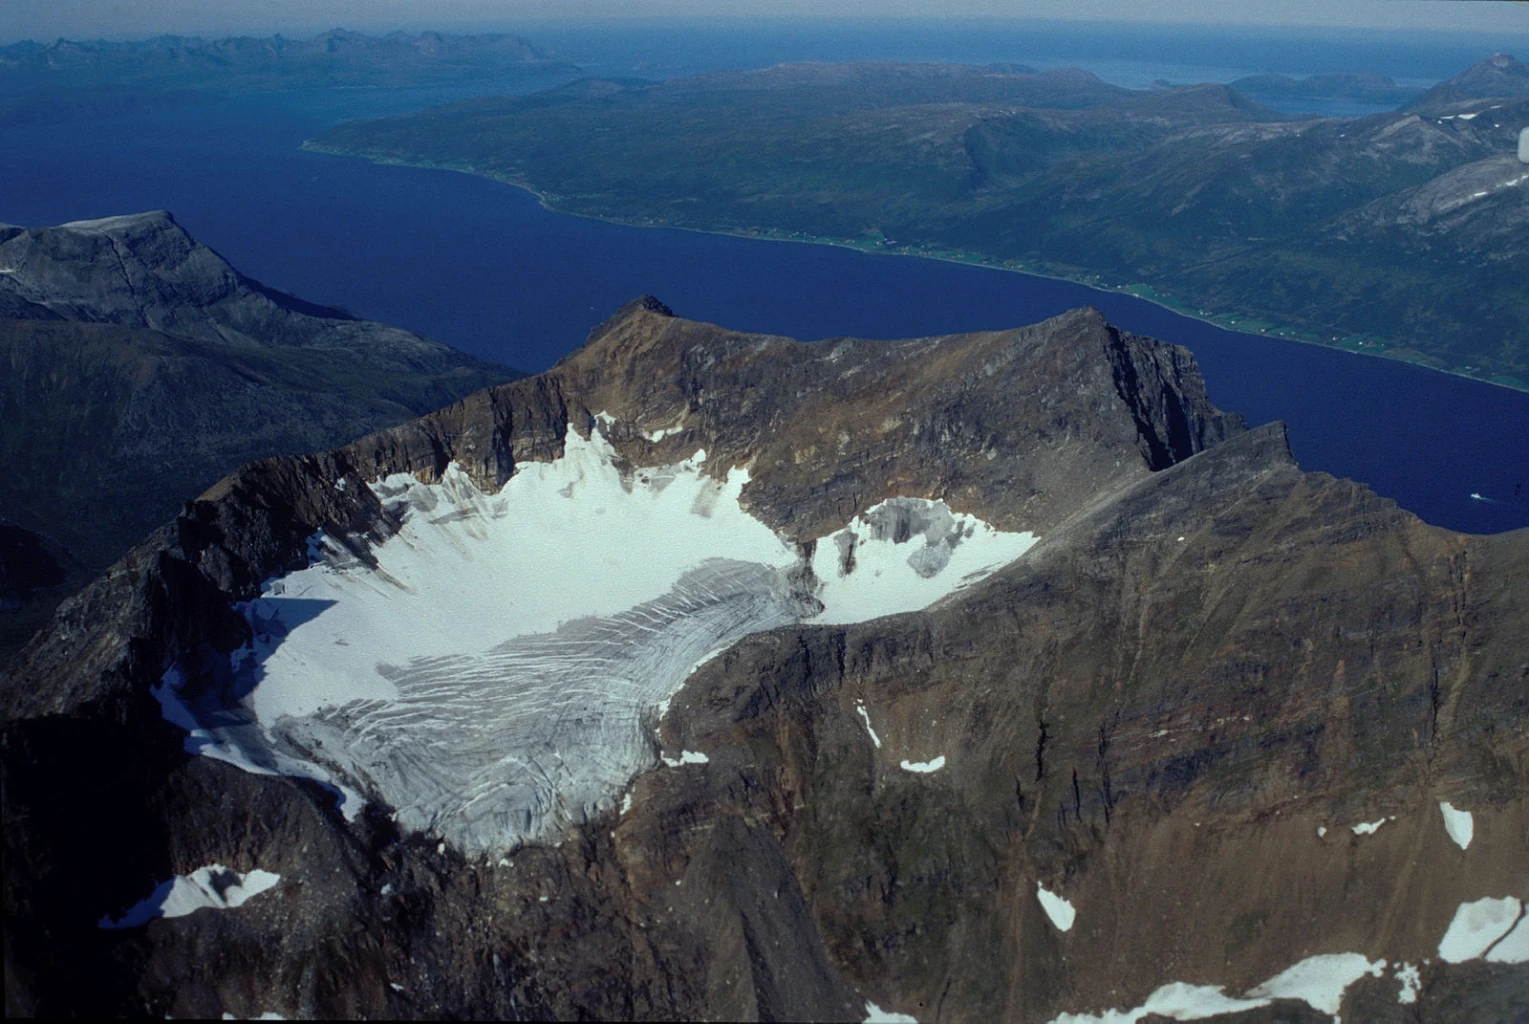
(482, 266)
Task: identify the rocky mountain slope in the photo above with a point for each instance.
(1499, 76)
(139, 367)
(1223, 740)
(1194, 196)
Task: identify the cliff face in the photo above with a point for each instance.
(1170, 712)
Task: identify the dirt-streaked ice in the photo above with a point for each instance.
(213, 887)
(499, 672)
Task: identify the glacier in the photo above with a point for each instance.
(500, 671)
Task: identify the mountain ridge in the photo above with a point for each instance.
(1220, 661)
(141, 366)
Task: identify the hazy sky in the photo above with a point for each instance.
(49, 19)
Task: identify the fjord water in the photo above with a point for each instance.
(483, 266)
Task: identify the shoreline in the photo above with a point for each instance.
(1282, 332)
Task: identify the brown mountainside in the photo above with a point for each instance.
(1170, 711)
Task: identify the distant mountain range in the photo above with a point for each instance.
(245, 63)
(1400, 233)
(139, 367)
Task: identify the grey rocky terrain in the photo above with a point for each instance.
(1216, 709)
(139, 367)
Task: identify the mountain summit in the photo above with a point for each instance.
(141, 367)
(1497, 77)
(996, 676)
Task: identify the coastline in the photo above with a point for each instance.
(1237, 324)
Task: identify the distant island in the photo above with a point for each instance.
(1401, 234)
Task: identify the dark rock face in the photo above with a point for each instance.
(145, 271)
(1208, 656)
(137, 367)
(35, 574)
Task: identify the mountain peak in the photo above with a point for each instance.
(1499, 76)
(149, 220)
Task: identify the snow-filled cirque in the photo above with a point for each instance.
(500, 670)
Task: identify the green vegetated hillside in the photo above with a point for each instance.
(1401, 233)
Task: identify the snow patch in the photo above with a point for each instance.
(1476, 926)
(1459, 824)
(213, 887)
(904, 554)
(924, 767)
(1058, 909)
(866, 717)
(1319, 981)
(1321, 831)
(1512, 948)
(1369, 828)
(658, 435)
(876, 1015)
(686, 757)
(1411, 980)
